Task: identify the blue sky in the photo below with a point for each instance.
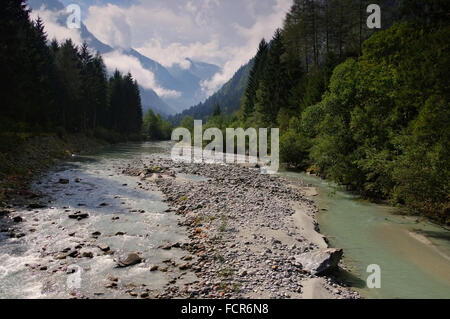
(223, 32)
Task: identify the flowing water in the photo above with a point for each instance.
(413, 255)
(116, 204)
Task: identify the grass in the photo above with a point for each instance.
(226, 272)
(236, 287)
(154, 169)
(219, 257)
(224, 223)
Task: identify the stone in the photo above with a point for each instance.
(4, 212)
(111, 285)
(79, 216)
(131, 260)
(154, 268)
(73, 253)
(18, 219)
(87, 254)
(319, 262)
(103, 247)
(36, 206)
(184, 266)
(166, 247)
(63, 181)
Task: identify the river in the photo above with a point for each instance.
(120, 211)
(413, 254)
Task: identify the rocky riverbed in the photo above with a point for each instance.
(152, 228)
(250, 235)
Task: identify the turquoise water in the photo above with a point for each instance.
(413, 255)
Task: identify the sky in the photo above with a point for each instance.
(222, 32)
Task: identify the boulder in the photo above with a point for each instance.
(131, 260)
(154, 268)
(319, 262)
(79, 216)
(184, 266)
(103, 247)
(88, 254)
(18, 219)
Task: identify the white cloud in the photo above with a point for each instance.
(55, 30)
(125, 63)
(222, 32)
(114, 26)
(176, 52)
(264, 27)
(122, 27)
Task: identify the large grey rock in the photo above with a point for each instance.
(319, 262)
(132, 259)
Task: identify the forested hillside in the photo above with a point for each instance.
(59, 87)
(366, 108)
(228, 98)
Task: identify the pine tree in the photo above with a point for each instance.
(254, 78)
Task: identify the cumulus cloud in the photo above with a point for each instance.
(114, 27)
(124, 27)
(222, 32)
(176, 52)
(125, 63)
(53, 28)
(264, 27)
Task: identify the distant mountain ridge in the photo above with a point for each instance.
(228, 97)
(185, 81)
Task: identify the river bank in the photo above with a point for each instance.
(413, 253)
(22, 159)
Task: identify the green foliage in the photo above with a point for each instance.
(294, 149)
(155, 128)
(60, 88)
(389, 121)
(188, 122)
(376, 122)
(228, 97)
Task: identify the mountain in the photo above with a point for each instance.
(187, 82)
(228, 97)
